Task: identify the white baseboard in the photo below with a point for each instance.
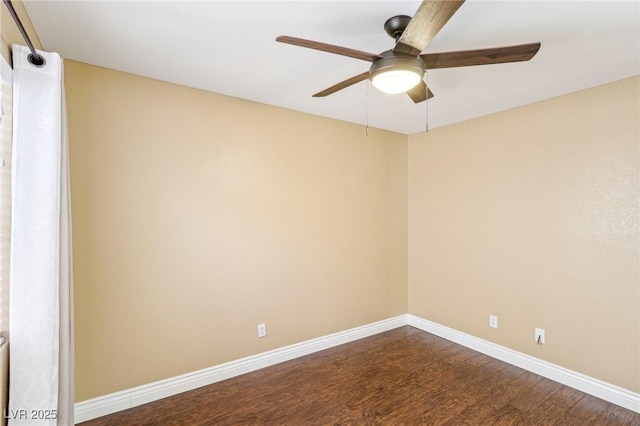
(118, 401)
(608, 392)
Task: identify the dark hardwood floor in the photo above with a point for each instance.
(400, 377)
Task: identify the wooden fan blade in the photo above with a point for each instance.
(343, 84)
(425, 24)
(420, 93)
(338, 50)
(466, 58)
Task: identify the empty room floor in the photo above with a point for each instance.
(400, 377)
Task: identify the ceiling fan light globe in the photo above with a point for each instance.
(396, 81)
(396, 74)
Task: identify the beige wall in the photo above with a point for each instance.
(532, 215)
(198, 216)
(9, 32)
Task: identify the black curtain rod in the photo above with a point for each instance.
(35, 58)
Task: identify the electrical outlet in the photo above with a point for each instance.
(262, 330)
(493, 321)
(539, 336)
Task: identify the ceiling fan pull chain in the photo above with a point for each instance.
(426, 106)
(366, 129)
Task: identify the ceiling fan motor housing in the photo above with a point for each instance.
(392, 60)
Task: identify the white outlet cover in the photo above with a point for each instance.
(493, 321)
(262, 330)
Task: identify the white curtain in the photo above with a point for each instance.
(41, 295)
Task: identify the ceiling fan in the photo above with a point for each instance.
(401, 69)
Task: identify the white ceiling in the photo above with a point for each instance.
(229, 47)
